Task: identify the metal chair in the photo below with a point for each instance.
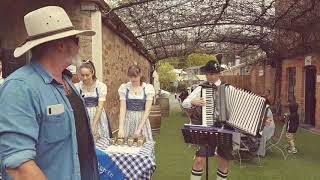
(246, 147)
(276, 143)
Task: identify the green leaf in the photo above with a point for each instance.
(166, 74)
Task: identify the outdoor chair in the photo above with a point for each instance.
(245, 149)
(277, 142)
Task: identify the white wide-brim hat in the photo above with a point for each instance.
(47, 24)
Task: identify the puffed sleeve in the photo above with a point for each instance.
(102, 90)
(150, 92)
(122, 91)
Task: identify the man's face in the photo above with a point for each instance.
(72, 50)
(212, 77)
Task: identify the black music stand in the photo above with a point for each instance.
(205, 137)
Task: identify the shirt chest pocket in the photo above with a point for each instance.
(56, 128)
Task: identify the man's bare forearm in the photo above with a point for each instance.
(27, 171)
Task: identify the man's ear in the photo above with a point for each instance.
(60, 46)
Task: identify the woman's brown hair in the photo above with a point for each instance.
(89, 65)
(134, 71)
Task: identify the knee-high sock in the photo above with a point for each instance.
(221, 175)
(196, 174)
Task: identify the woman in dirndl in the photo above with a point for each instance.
(135, 103)
(94, 94)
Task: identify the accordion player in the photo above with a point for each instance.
(227, 106)
(222, 106)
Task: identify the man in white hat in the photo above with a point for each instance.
(44, 127)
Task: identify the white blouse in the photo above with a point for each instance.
(1, 80)
(195, 94)
(149, 89)
(101, 87)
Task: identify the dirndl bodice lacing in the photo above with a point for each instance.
(136, 104)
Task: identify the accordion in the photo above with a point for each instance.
(238, 108)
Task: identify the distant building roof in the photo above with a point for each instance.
(179, 71)
(235, 67)
(202, 77)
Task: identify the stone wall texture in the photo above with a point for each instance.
(117, 57)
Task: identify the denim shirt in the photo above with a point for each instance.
(37, 123)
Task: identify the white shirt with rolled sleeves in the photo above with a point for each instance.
(195, 94)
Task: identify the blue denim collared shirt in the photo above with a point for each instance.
(28, 131)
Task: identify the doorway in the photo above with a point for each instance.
(310, 92)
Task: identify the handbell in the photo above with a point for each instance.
(130, 141)
(141, 141)
(120, 141)
(112, 141)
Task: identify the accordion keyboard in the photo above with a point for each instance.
(208, 109)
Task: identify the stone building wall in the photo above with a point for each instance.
(117, 57)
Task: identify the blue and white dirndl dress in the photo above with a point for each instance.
(136, 108)
(91, 101)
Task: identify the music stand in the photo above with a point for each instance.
(206, 137)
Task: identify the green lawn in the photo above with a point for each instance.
(174, 158)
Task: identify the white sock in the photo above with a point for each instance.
(221, 175)
(196, 174)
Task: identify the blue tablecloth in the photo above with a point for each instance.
(118, 166)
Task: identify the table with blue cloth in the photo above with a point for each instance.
(121, 165)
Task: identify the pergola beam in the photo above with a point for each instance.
(175, 27)
(126, 5)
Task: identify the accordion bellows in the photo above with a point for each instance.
(240, 109)
(246, 110)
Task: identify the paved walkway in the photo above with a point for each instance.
(174, 103)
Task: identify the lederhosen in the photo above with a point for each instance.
(86, 149)
(225, 154)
